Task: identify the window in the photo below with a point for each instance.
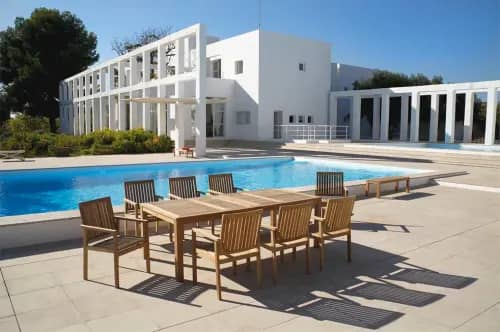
(302, 66)
(291, 119)
(216, 68)
(301, 119)
(243, 117)
(309, 119)
(238, 67)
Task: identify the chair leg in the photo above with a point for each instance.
(125, 224)
(194, 258)
(349, 247)
(234, 268)
(275, 268)
(282, 256)
(294, 254)
(321, 254)
(248, 264)
(259, 270)
(116, 267)
(212, 226)
(156, 226)
(217, 279)
(170, 232)
(85, 263)
(308, 258)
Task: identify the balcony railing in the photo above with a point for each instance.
(311, 132)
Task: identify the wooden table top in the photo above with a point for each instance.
(212, 206)
(388, 179)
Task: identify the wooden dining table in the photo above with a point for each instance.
(188, 211)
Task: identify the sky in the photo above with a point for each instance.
(458, 39)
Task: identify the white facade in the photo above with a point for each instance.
(247, 87)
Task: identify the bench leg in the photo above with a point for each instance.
(396, 186)
(378, 190)
(367, 189)
(408, 185)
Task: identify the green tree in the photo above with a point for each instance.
(36, 54)
(388, 79)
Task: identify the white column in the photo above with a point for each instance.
(111, 78)
(121, 74)
(162, 70)
(122, 114)
(80, 86)
(146, 109)
(403, 133)
(449, 131)
(134, 70)
(376, 118)
(102, 80)
(415, 116)
(161, 115)
(201, 74)
(333, 110)
(81, 118)
(468, 116)
(355, 117)
(95, 114)
(179, 114)
(179, 56)
(102, 112)
(112, 113)
(76, 119)
(71, 119)
(491, 116)
(88, 117)
(384, 120)
(434, 120)
(94, 82)
(146, 66)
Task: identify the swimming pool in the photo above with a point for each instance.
(46, 190)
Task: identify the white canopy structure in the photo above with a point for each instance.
(177, 101)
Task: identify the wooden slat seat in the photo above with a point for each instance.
(141, 191)
(330, 184)
(336, 222)
(12, 154)
(291, 231)
(239, 239)
(221, 184)
(101, 232)
(378, 182)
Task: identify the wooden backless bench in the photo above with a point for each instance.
(388, 179)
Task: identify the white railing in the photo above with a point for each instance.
(311, 132)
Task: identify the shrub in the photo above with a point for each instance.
(64, 145)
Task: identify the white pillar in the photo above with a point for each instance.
(356, 117)
(161, 116)
(201, 74)
(146, 66)
(102, 112)
(113, 113)
(121, 74)
(102, 80)
(403, 132)
(434, 120)
(491, 116)
(162, 70)
(111, 77)
(94, 82)
(76, 119)
(415, 116)
(122, 114)
(468, 116)
(376, 118)
(179, 114)
(134, 70)
(146, 110)
(449, 131)
(81, 118)
(179, 56)
(71, 119)
(88, 117)
(384, 119)
(333, 110)
(95, 114)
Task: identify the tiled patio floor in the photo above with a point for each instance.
(424, 261)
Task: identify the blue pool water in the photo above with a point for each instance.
(36, 191)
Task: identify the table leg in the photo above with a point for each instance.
(408, 185)
(367, 189)
(396, 186)
(378, 189)
(145, 234)
(179, 251)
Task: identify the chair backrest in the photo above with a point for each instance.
(222, 183)
(142, 191)
(330, 183)
(240, 231)
(293, 221)
(338, 213)
(184, 187)
(99, 213)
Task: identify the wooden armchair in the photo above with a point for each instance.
(101, 232)
(183, 188)
(291, 231)
(330, 184)
(239, 239)
(221, 184)
(142, 191)
(336, 222)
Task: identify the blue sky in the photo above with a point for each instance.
(458, 39)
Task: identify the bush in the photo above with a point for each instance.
(34, 136)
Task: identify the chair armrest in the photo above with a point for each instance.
(316, 218)
(98, 229)
(269, 227)
(127, 218)
(214, 192)
(201, 193)
(159, 197)
(206, 233)
(131, 202)
(172, 196)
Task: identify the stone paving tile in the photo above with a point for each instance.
(129, 321)
(5, 307)
(49, 318)
(38, 299)
(8, 324)
(486, 321)
(31, 283)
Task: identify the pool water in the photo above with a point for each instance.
(44, 190)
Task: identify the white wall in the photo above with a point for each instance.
(343, 76)
(283, 87)
(245, 95)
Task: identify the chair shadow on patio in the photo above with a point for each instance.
(380, 227)
(329, 295)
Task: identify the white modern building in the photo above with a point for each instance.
(255, 86)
